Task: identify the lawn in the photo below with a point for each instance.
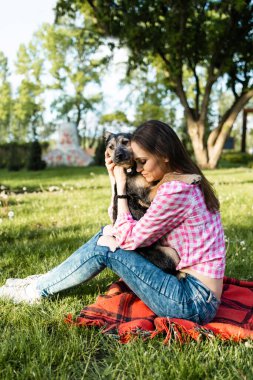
(46, 217)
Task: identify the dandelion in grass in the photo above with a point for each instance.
(243, 245)
(11, 214)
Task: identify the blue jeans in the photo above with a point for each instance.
(164, 294)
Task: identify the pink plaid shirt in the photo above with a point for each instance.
(178, 218)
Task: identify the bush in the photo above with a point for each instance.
(4, 153)
(15, 159)
(233, 158)
(15, 156)
(35, 161)
(237, 157)
(99, 158)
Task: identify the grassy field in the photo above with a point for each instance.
(47, 216)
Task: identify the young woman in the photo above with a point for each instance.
(182, 216)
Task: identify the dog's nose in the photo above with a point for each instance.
(119, 156)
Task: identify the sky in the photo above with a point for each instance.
(19, 19)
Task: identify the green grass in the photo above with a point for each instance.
(55, 211)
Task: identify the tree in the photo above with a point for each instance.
(210, 40)
(150, 95)
(115, 120)
(5, 99)
(74, 64)
(29, 105)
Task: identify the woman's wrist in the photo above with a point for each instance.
(112, 180)
(121, 190)
(122, 204)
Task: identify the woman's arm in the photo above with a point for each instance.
(117, 177)
(108, 239)
(120, 178)
(110, 167)
(170, 207)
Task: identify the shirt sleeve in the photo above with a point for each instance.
(170, 207)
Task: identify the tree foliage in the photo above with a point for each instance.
(29, 104)
(5, 99)
(193, 44)
(150, 96)
(74, 64)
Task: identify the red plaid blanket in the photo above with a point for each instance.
(122, 313)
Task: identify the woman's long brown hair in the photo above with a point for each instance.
(160, 139)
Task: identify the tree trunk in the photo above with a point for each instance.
(218, 136)
(196, 132)
(78, 119)
(94, 137)
(244, 132)
(208, 154)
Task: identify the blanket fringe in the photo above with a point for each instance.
(179, 330)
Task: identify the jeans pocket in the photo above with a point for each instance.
(211, 298)
(208, 308)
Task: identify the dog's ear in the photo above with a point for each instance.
(107, 135)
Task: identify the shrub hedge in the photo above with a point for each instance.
(15, 156)
(235, 158)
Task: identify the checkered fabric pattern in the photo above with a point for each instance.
(123, 315)
(178, 218)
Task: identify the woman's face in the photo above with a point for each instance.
(150, 166)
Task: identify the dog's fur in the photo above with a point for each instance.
(140, 195)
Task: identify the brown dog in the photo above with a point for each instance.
(140, 195)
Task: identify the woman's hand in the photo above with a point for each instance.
(108, 241)
(110, 166)
(116, 174)
(108, 230)
(120, 178)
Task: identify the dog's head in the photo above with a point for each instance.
(118, 147)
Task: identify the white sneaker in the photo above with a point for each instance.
(22, 293)
(22, 281)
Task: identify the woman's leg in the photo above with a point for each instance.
(81, 266)
(163, 293)
(74, 270)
